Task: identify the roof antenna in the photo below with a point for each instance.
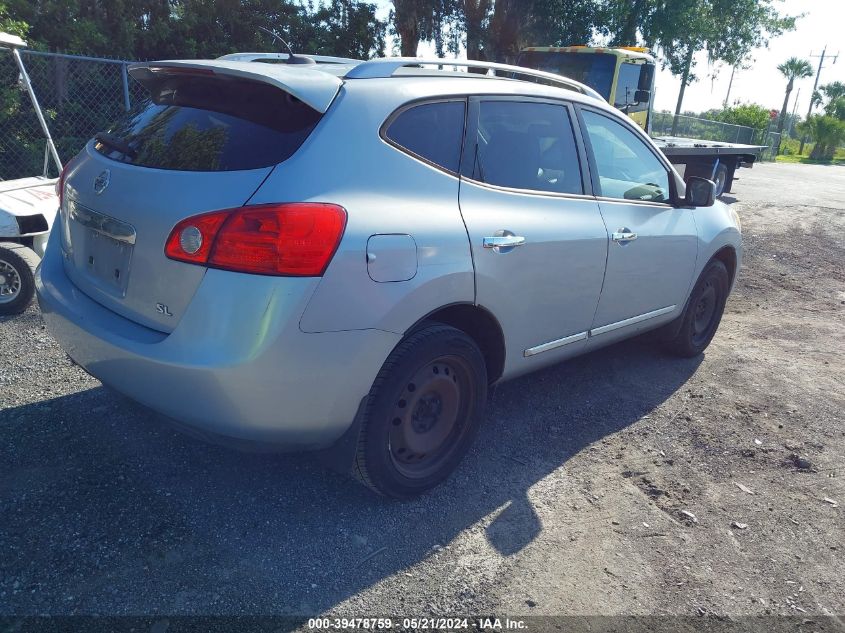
(292, 59)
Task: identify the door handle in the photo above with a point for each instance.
(623, 236)
(503, 240)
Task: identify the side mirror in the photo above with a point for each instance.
(700, 192)
(646, 78)
(642, 96)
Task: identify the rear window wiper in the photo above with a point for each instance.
(112, 141)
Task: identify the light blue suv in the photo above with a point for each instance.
(344, 256)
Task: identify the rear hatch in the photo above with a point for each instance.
(206, 138)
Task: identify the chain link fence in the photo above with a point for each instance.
(706, 129)
(694, 127)
(79, 96)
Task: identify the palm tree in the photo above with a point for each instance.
(793, 68)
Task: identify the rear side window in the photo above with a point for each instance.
(210, 124)
(432, 131)
(527, 146)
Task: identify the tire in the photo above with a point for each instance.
(695, 328)
(17, 277)
(423, 412)
(721, 179)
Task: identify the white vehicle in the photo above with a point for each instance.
(27, 209)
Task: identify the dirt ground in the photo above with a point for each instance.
(624, 482)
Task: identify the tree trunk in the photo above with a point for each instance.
(782, 119)
(505, 29)
(627, 35)
(684, 81)
(407, 25)
(475, 11)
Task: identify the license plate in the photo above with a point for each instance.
(101, 247)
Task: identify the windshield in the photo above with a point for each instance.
(593, 69)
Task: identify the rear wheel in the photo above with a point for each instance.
(17, 277)
(698, 323)
(424, 410)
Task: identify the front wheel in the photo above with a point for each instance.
(17, 277)
(424, 410)
(697, 324)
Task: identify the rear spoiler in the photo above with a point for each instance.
(308, 84)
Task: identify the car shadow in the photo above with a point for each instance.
(107, 509)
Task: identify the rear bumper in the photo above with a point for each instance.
(236, 366)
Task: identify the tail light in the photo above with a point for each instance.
(293, 239)
(60, 185)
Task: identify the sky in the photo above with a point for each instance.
(761, 83)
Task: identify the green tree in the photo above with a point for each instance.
(748, 114)
(8, 24)
(835, 92)
(161, 29)
(515, 24)
(827, 131)
(727, 30)
(793, 68)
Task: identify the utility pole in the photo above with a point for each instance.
(794, 108)
(815, 87)
(730, 83)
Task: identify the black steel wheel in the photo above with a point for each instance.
(700, 319)
(423, 412)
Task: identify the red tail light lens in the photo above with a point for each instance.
(60, 185)
(294, 239)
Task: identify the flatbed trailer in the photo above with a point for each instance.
(708, 159)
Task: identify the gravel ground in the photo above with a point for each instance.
(623, 482)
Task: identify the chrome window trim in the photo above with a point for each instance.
(534, 192)
(646, 203)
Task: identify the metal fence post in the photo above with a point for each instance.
(125, 78)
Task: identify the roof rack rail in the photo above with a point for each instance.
(385, 67)
(320, 59)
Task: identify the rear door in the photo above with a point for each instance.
(538, 241)
(653, 245)
(202, 141)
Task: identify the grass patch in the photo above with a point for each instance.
(791, 158)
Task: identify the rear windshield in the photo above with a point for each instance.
(209, 124)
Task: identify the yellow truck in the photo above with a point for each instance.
(625, 77)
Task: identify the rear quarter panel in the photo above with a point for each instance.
(385, 191)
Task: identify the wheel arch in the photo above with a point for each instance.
(727, 255)
(480, 325)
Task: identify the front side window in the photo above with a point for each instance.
(433, 131)
(527, 146)
(627, 168)
(626, 88)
